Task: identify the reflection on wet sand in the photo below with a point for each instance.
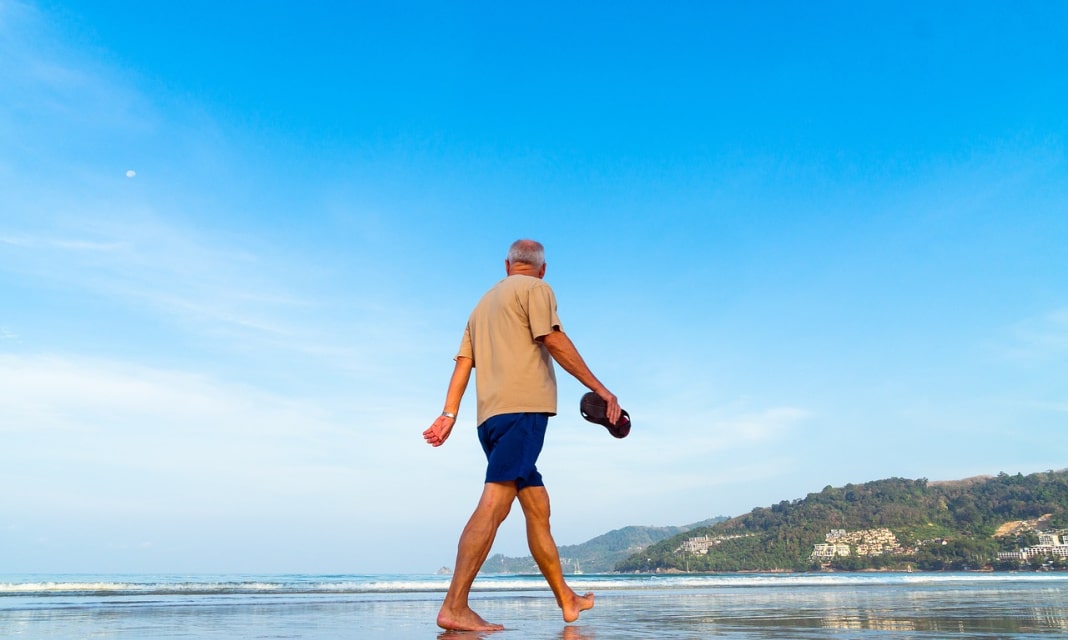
(991, 611)
(465, 635)
(568, 633)
(576, 633)
(868, 622)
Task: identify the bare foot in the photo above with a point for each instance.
(576, 604)
(465, 620)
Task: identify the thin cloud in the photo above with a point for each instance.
(17, 241)
(147, 261)
(88, 245)
(241, 296)
(1041, 338)
(36, 242)
(109, 422)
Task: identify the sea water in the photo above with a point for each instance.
(671, 607)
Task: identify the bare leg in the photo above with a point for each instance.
(475, 544)
(535, 503)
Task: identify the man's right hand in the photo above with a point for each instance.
(439, 432)
(612, 410)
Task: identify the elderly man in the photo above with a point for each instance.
(511, 338)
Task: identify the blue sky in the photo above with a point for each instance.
(806, 245)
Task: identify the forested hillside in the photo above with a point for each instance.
(598, 555)
(930, 526)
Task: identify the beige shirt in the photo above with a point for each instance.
(513, 370)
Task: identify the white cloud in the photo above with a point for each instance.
(1040, 338)
(143, 439)
(17, 241)
(145, 259)
(195, 463)
(37, 242)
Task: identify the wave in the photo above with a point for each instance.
(105, 586)
(209, 586)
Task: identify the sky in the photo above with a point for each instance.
(805, 244)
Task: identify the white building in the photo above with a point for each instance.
(1051, 544)
(698, 545)
(1051, 539)
(829, 550)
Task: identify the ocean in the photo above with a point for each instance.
(668, 607)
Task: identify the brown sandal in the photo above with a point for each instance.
(592, 407)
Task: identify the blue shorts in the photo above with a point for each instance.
(512, 442)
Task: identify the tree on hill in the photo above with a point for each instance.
(938, 525)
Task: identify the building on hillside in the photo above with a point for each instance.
(867, 542)
(697, 546)
(700, 545)
(1051, 544)
(1051, 538)
(829, 550)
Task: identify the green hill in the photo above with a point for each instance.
(886, 524)
(599, 555)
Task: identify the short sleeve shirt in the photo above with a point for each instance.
(513, 369)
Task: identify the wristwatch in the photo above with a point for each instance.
(448, 414)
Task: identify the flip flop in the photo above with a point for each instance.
(593, 408)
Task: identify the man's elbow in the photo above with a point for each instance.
(555, 341)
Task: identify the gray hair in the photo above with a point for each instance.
(528, 252)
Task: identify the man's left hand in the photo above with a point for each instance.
(439, 432)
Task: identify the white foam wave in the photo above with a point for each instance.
(381, 584)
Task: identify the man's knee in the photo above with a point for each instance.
(497, 499)
(535, 502)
